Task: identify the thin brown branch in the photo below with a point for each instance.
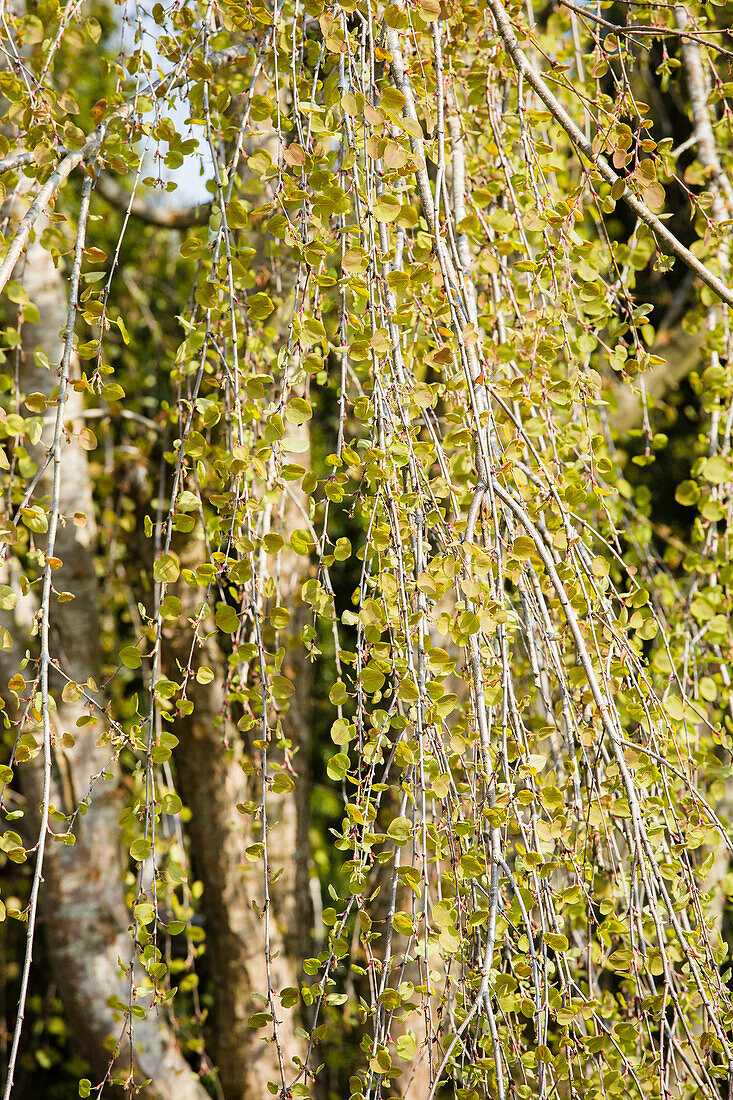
(682, 353)
(629, 30)
(707, 148)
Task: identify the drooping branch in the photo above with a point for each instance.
(82, 904)
(139, 207)
(54, 517)
(94, 146)
(666, 239)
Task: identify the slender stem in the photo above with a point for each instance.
(45, 612)
(666, 239)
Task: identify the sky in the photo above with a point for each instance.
(191, 185)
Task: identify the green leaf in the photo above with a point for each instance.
(281, 688)
(131, 656)
(166, 569)
(406, 1046)
(338, 766)
(8, 598)
(301, 542)
(400, 830)
(171, 804)
(522, 547)
(283, 783)
(187, 502)
(675, 708)
(312, 332)
(555, 941)
(471, 866)
(619, 960)
(342, 549)
(716, 470)
(144, 913)
(170, 608)
(259, 306)
(402, 923)
(140, 849)
(113, 392)
(338, 694)
(687, 492)
(35, 519)
(259, 1019)
(291, 471)
(290, 996)
(279, 617)
(298, 410)
(226, 618)
(387, 208)
(372, 679)
(443, 914)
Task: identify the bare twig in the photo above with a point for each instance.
(629, 30)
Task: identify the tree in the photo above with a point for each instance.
(365, 651)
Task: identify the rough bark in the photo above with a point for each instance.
(702, 121)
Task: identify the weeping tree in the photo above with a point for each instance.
(366, 539)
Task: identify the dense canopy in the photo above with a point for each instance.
(365, 644)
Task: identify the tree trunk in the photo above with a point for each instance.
(217, 772)
(83, 911)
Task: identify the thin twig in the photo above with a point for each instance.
(665, 237)
(94, 145)
(139, 207)
(45, 612)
